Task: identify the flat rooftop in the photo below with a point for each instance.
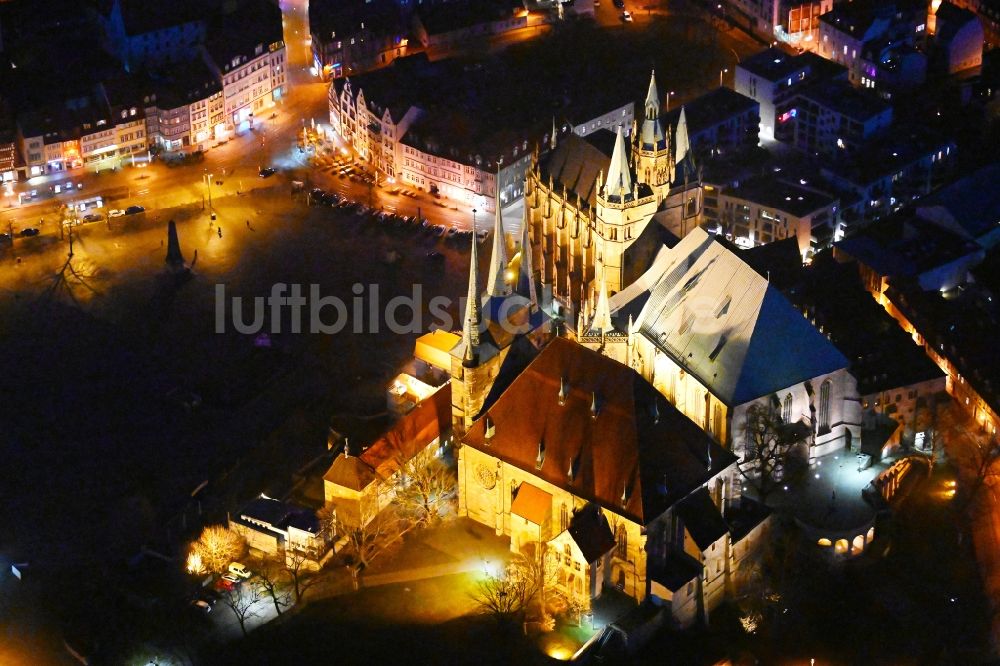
(774, 193)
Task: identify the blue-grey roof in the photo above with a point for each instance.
(728, 326)
(973, 201)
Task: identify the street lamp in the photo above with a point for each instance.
(669, 95)
(208, 183)
(721, 72)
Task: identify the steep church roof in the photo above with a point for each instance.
(636, 456)
(726, 325)
(576, 162)
(651, 134)
(618, 185)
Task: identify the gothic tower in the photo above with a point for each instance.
(624, 207)
(651, 145)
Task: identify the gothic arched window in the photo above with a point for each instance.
(786, 409)
(824, 407)
(622, 538)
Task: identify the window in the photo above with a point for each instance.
(718, 348)
(824, 407)
(563, 518)
(786, 409)
(622, 538)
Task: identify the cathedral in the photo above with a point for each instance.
(589, 202)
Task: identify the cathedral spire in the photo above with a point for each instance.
(497, 280)
(681, 145)
(470, 327)
(526, 270)
(552, 140)
(602, 313)
(619, 183)
(652, 98)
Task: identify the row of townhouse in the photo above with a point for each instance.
(400, 144)
(125, 117)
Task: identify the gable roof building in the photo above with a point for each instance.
(714, 337)
(583, 457)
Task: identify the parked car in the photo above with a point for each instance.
(240, 570)
(451, 233)
(266, 172)
(627, 17)
(27, 233)
(227, 582)
(134, 210)
(620, 4)
(202, 605)
(93, 217)
(5, 239)
(115, 212)
(481, 235)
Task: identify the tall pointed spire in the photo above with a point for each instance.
(681, 145)
(470, 327)
(602, 314)
(652, 98)
(619, 182)
(552, 139)
(497, 280)
(526, 277)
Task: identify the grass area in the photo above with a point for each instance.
(429, 621)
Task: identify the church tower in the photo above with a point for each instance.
(624, 207)
(651, 145)
(471, 361)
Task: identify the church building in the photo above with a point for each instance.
(585, 463)
(715, 337)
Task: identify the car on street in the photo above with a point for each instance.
(627, 17)
(451, 233)
(620, 4)
(227, 582)
(481, 235)
(115, 212)
(266, 172)
(93, 217)
(27, 233)
(239, 570)
(202, 605)
(5, 239)
(134, 210)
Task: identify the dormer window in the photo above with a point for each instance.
(490, 430)
(563, 391)
(540, 459)
(718, 348)
(724, 306)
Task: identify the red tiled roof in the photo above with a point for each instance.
(627, 451)
(411, 434)
(531, 502)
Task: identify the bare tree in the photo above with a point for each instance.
(217, 547)
(373, 537)
(302, 572)
(425, 488)
(504, 596)
(982, 465)
(538, 568)
(270, 574)
(766, 450)
(243, 601)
